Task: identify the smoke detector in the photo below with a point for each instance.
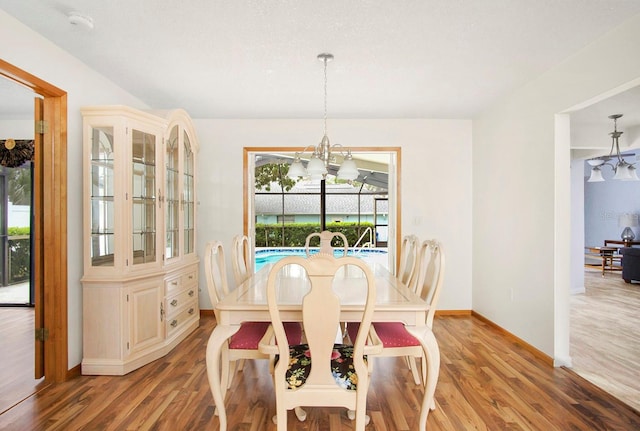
(76, 18)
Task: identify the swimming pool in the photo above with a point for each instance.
(272, 255)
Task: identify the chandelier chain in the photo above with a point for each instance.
(325, 96)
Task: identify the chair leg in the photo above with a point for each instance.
(240, 364)
(351, 414)
(362, 419)
(224, 372)
(414, 370)
(300, 414)
(281, 418)
(343, 331)
(232, 372)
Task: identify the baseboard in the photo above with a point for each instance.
(577, 290)
(74, 372)
(438, 312)
(453, 312)
(537, 353)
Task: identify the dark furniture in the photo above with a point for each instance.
(630, 264)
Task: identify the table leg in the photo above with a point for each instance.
(219, 336)
(432, 356)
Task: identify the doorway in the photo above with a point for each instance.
(601, 304)
(49, 270)
(16, 217)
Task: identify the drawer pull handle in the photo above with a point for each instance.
(175, 283)
(191, 292)
(191, 310)
(191, 277)
(174, 323)
(174, 302)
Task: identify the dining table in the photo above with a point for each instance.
(395, 302)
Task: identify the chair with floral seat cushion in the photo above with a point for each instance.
(244, 343)
(320, 372)
(241, 262)
(396, 339)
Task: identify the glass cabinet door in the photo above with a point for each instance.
(188, 197)
(143, 197)
(102, 193)
(172, 201)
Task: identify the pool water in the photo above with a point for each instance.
(271, 255)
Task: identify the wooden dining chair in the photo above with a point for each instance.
(408, 260)
(396, 339)
(326, 237)
(320, 372)
(244, 343)
(242, 261)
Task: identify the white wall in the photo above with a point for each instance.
(521, 223)
(604, 202)
(16, 129)
(435, 181)
(29, 51)
(577, 226)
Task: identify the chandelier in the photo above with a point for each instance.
(323, 153)
(623, 170)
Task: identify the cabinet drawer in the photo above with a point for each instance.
(177, 301)
(184, 315)
(179, 282)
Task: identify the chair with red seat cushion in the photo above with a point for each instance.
(408, 260)
(396, 339)
(325, 242)
(244, 343)
(241, 262)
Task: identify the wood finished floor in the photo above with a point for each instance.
(605, 334)
(487, 382)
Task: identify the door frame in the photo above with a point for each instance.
(50, 222)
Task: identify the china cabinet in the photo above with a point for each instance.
(140, 282)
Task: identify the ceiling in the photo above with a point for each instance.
(257, 58)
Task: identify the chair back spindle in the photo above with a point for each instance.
(242, 262)
(325, 242)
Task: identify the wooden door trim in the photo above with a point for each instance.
(50, 208)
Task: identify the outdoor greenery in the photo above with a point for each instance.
(17, 231)
(20, 186)
(295, 234)
(271, 173)
(19, 254)
(19, 240)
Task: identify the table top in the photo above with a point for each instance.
(604, 249)
(394, 301)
